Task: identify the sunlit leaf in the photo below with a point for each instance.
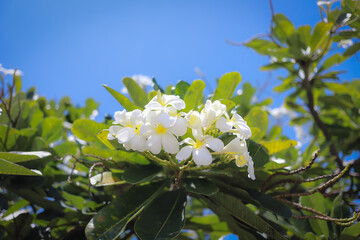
(227, 85)
(124, 101)
(137, 94)
(194, 94)
(275, 146)
(87, 129)
(163, 218)
(257, 118)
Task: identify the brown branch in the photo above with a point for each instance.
(299, 170)
(318, 189)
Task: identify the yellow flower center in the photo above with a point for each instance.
(137, 129)
(241, 161)
(160, 129)
(193, 119)
(198, 144)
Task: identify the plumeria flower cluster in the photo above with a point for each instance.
(162, 125)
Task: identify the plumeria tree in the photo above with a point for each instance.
(177, 163)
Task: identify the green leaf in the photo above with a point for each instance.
(236, 208)
(66, 148)
(103, 137)
(8, 137)
(157, 86)
(352, 49)
(317, 202)
(117, 155)
(228, 103)
(283, 28)
(200, 186)
(163, 218)
(90, 106)
(51, 129)
(181, 89)
(258, 153)
(271, 204)
(342, 101)
(227, 85)
(351, 232)
(87, 129)
(193, 95)
(111, 220)
(140, 173)
(137, 94)
(331, 61)
(319, 36)
(105, 179)
(265, 47)
(73, 200)
(124, 101)
(10, 168)
(257, 118)
(275, 146)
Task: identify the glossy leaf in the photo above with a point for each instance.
(200, 186)
(271, 204)
(320, 35)
(235, 207)
(137, 94)
(283, 28)
(10, 168)
(258, 153)
(257, 119)
(163, 218)
(275, 146)
(193, 95)
(111, 220)
(124, 101)
(317, 202)
(181, 89)
(87, 129)
(116, 155)
(140, 173)
(227, 85)
(103, 137)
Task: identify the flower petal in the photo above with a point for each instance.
(120, 117)
(169, 143)
(113, 130)
(179, 128)
(138, 143)
(124, 135)
(214, 143)
(202, 156)
(236, 146)
(224, 125)
(184, 153)
(154, 144)
(166, 120)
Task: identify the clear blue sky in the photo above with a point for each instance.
(67, 47)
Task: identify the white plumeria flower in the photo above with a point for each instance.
(235, 124)
(128, 133)
(238, 148)
(161, 132)
(199, 148)
(162, 102)
(211, 112)
(193, 119)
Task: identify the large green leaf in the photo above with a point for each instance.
(271, 204)
(140, 173)
(51, 129)
(181, 88)
(257, 120)
(352, 232)
(258, 153)
(317, 202)
(137, 94)
(227, 85)
(110, 221)
(8, 137)
(124, 101)
(87, 129)
(282, 28)
(193, 95)
(103, 137)
(352, 50)
(236, 208)
(200, 186)
(275, 146)
(320, 36)
(116, 155)
(10, 168)
(163, 218)
(17, 157)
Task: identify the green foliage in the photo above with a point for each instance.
(61, 176)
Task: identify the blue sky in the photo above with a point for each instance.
(73, 47)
